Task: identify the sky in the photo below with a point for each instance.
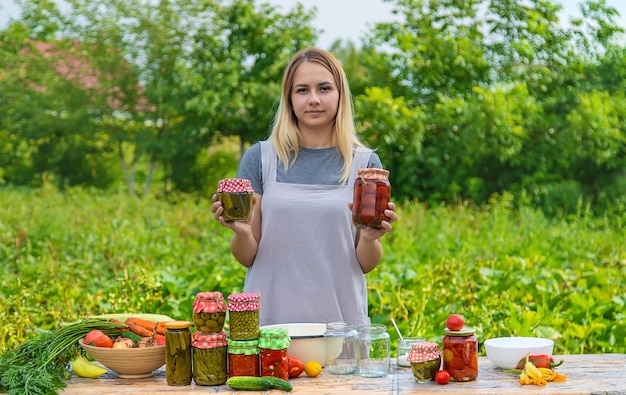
(347, 20)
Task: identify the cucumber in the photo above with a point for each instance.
(250, 383)
(132, 336)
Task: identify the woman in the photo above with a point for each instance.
(304, 256)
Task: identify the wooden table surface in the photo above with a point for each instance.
(586, 374)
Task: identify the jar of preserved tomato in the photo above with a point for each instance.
(243, 310)
(209, 358)
(178, 362)
(425, 360)
(243, 358)
(273, 343)
(372, 192)
(460, 354)
(209, 312)
(236, 197)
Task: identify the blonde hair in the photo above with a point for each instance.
(285, 134)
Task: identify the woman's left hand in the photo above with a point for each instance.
(369, 233)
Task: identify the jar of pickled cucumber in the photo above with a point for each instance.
(460, 354)
(178, 362)
(372, 192)
(273, 343)
(210, 356)
(243, 312)
(236, 197)
(243, 358)
(425, 360)
(209, 312)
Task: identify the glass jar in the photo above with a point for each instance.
(209, 359)
(340, 339)
(372, 192)
(425, 360)
(404, 348)
(243, 358)
(273, 343)
(374, 357)
(178, 362)
(236, 197)
(460, 354)
(209, 312)
(243, 311)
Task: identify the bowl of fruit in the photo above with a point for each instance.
(137, 352)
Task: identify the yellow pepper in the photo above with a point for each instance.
(538, 376)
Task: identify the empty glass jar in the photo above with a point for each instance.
(340, 339)
(373, 357)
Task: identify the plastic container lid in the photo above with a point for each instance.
(465, 331)
(177, 324)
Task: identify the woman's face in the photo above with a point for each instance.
(314, 97)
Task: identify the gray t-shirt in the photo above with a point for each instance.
(314, 166)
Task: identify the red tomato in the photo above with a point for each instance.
(92, 336)
(455, 322)
(104, 341)
(296, 366)
(442, 377)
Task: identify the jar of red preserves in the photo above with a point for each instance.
(209, 312)
(243, 358)
(460, 354)
(372, 192)
(273, 343)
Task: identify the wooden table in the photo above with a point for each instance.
(586, 374)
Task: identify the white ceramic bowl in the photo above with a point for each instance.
(505, 352)
(307, 340)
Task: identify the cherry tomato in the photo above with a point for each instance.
(92, 336)
(455, 322)
(442, 377)
(296, 366)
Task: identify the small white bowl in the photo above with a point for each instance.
(307, 340)
(506, 352)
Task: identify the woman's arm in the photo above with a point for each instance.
(246, 236)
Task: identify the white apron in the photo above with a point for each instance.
(306, 269)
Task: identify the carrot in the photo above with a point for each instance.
(140, 330)
(119, 322)
(148, 324)
(161, 328)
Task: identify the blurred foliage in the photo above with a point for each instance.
(66, 255)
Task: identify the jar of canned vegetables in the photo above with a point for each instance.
(273, 343)
(460, 354)
(243, 310)
(210, 356)
(209, 312)
(236, 197)
(425, 360)
(178, 362)
(243, 358)
(372, 192)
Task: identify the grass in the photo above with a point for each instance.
(508, 271)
